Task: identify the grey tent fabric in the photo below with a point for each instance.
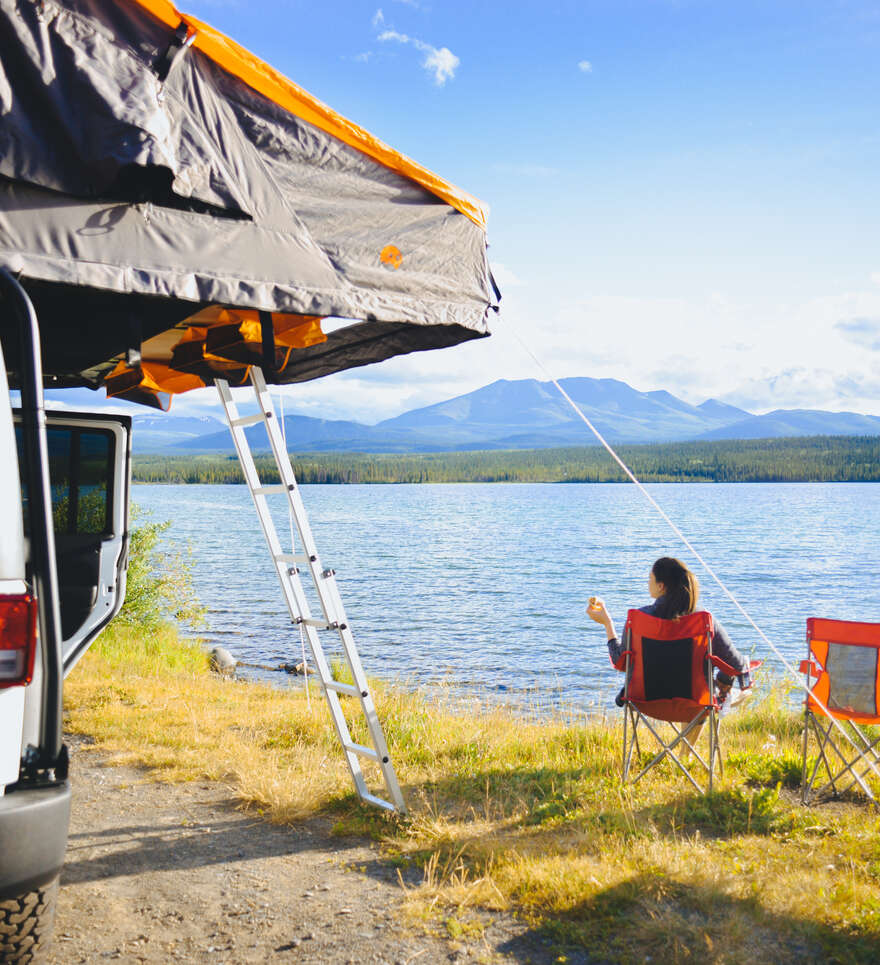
(198, 190)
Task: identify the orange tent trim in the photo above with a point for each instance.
(271, 83)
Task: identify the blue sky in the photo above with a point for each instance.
(684, 195)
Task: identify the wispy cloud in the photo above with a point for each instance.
(364, 57)
(585, 67)
(802, 387)
(862, 331)
(440, 62)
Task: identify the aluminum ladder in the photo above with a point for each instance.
(287, 566)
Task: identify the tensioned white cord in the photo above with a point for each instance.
(688, 544)
(302, 636)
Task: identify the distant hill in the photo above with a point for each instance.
(305, 434)
(522, 414)
(156, 432)
(798, 422)
(525, 412)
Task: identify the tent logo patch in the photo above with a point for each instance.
(390, 255)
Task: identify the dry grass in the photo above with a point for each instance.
(523, 816)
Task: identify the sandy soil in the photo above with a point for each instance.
(165, 873)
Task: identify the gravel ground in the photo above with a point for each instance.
(173, 872)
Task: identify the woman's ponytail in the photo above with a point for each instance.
(682, 591)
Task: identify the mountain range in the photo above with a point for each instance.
(523, 414)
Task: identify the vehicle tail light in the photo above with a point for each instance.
(18, 639)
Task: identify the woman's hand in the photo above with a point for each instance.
(596, 611)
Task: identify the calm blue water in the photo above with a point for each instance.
(483, 586)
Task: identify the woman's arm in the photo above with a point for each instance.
(723, 648)
(596, 611)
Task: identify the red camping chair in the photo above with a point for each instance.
(670, 677)
(843, 657)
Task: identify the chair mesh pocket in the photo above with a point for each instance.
(852, 674)
(666, 665)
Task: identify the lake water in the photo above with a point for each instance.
(483, 586)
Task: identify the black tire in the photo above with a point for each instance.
(26, 925)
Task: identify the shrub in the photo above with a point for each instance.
(159, 583)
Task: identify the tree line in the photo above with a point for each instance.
(803, 459)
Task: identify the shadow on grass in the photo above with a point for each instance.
(655, 918)
(543, 799)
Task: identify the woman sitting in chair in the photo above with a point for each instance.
(675, 591)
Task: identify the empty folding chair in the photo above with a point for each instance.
(842, 658)
(670, 670)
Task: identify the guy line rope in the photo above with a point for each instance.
(688, 544)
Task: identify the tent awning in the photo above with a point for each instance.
(152, 172)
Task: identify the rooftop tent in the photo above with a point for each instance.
(178, 210)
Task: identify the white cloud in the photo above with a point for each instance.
(378, 18)
(441, 62)
(875, 277)
(806, 388)
(394, 35)
(862, 331)
(364, 57)
(585, 67)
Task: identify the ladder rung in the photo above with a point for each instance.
(268, 490)
(363, 751)
(320, 624)
(293, 558)
(247, 420)
(378, 802)
(341, 688)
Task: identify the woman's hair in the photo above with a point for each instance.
(681, 586)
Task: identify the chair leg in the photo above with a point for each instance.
(630, 740)
(804, 790)
(809, 786)
(712, 737)
(696, 736)
(865, 756)
(668, 750)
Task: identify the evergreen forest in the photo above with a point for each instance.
(803, 459)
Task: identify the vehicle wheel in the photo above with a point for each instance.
(26, 924)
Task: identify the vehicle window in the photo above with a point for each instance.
(80, 466)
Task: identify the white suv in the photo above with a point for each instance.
(64, 482)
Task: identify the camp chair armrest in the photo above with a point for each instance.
(809, 667)
(620, 663)
(725, 668)
(743, 677)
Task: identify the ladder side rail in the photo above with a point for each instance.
(328, 586)
(331, 604)
(251, 476)
(328, 594)
(285, 470)
(296, 599)
(297, 602)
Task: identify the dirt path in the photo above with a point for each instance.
(164, 873)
